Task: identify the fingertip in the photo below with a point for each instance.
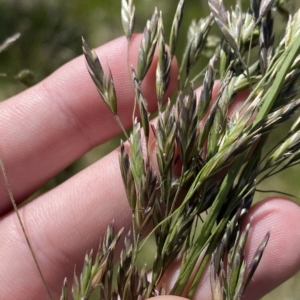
(281, 258)
(280, 216)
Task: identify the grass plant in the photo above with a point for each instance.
(208, 163)
(201, 141)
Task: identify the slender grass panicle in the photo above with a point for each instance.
(189, 174)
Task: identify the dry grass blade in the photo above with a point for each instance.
(15, 208)
(10, 40)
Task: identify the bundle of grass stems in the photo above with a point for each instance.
(190, 175)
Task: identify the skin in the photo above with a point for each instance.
(50, 125)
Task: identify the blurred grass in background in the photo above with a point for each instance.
(51, 35)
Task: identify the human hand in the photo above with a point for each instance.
(50, 125)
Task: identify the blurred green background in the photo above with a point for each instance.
(51, 33)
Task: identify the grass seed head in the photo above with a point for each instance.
(128, 17)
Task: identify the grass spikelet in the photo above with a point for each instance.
(148, 45)
(94, 270)
(128, 17)
(197, 43)
(221, 16)
(265, 6)
(127, 176)
(255, 261)
(266, 41)
(175, 27)
(136, 155)
(206, 92)
(142, 104)
(104, 84)
(186, 127)
(163, 66)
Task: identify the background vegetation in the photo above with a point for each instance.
(51, 35)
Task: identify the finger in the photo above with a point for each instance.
(281, 259)
(47, 127)
(62, 226)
